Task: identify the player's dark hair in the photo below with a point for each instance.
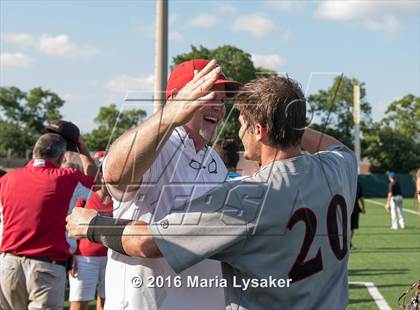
(228, 150)
(50, 146)
(278, 104)
(2, 172)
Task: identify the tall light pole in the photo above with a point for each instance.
(161, 53)
(356, 119)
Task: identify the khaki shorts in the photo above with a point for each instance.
(27, 283)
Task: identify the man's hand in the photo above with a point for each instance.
(73, 270)
(78, 221)
(180, 110)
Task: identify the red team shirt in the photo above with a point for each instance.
(35, 202)
(85, 247)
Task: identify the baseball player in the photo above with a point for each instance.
(162, 171)
(282, 234)
(359, 207)
(395, 202)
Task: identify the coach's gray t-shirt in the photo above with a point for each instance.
(282, 234)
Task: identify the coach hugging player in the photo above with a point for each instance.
(287, 221)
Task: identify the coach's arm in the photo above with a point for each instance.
(127, 237)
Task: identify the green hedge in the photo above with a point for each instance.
(376, 185)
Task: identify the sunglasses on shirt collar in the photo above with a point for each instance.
(196, 165)
(211, 167)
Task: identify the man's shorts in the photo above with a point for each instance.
(354, 223)
(90, 275)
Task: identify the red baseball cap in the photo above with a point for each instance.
(184, 72)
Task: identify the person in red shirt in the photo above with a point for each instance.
(89, 262)
(35, 201)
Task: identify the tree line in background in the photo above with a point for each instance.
(393, 143)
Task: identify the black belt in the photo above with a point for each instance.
(47, 260)
(43, 259)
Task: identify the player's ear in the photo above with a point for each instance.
(260, 132)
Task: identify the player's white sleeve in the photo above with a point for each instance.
(340, 156)
(343, 162)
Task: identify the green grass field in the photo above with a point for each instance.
(390, 259)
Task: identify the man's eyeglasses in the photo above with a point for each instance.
(211, 167)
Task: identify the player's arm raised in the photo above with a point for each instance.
(315, 141)
(135, 151)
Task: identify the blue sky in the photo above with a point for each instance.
(92, 52)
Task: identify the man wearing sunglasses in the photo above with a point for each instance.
(158, 167)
